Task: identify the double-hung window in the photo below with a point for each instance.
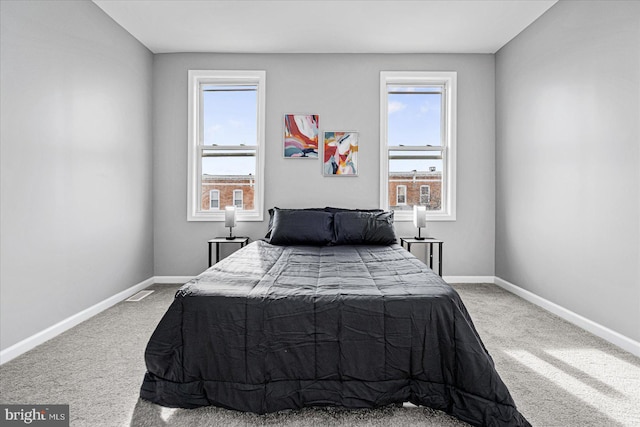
(238, 197)
(425, 195)
(214, 199)
(226, 144)
(418, 143)
(401, 195)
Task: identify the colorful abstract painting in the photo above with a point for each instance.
(340, 154)
(301, 136)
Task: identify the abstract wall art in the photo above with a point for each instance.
(340, 153)
(301, 136)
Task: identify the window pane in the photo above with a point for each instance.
(422, 179)
(414, 116)
(229, 115)
(226, 186)
(227, 173)
(223, 162)
(414, 88)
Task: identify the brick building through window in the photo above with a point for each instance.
(407, 189)
(230, 190)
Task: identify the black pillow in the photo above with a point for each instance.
(334, 210)
(364, 228)
(272, 212)
(301, 227)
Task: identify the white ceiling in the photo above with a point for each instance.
(325, 26)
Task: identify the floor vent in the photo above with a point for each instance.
(139, 296)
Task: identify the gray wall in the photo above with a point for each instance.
(567, 161)
(344, 91)
(76, 153)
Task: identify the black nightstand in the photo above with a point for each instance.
(430, 241)
(218, 240)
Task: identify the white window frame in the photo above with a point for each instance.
(196, 79)
(398, 187)
(448, 79)
(211, 198)
(241, 198)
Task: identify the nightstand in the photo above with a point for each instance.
(430, 241)
(218, 240)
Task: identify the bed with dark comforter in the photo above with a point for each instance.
(276, 327)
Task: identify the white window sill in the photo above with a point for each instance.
(219, 217)
(405, 216)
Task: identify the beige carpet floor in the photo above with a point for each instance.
(558, 374)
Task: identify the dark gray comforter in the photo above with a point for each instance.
(277, 327)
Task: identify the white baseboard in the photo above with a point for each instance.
(172, 279)
(603, 332)
(469, 279)
(68, 323)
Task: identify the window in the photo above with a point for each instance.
(418, 143)
(401, 195)
(214, 199)
(237, 199)
(226, 142)
(424, 195)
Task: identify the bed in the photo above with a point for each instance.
(328, 311)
